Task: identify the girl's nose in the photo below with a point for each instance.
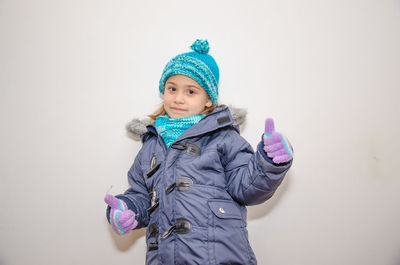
(179, 98)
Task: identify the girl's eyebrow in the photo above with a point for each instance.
(172, 83)
(193, 86)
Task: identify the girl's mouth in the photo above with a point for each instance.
(177, 109)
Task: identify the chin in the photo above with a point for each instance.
(176, 115)
(179, 116)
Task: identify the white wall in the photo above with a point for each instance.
(72, 73)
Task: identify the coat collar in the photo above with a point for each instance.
(220, 117)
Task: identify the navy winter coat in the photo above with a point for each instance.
(192, 195)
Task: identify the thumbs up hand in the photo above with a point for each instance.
(121, 218)
(276, 145)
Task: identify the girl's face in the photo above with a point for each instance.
(184, 97)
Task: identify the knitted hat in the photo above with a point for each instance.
(197, 65)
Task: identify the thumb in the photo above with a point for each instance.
(269, 126)
(111, 201)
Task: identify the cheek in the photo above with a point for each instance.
(201, 104)
(166, 98)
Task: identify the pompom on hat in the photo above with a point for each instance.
(198, 65)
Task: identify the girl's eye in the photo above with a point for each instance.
(190, 92)
(173, 89)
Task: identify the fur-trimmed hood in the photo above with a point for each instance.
(137, 127)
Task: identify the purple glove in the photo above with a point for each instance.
(121, 218)
(276, 145)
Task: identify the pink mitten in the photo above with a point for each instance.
(276, 145)
(121, 218)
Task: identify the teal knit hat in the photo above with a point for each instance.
(198, 65)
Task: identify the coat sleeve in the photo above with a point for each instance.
(252, 177)
(137, 197)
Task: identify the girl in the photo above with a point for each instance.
(194, 175)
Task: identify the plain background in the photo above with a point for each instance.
(73, 73)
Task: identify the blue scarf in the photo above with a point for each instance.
(171, 129)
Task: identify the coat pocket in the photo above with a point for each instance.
(230, 243)
(225, 213)
(224, 209)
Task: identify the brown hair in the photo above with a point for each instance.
(161, 111)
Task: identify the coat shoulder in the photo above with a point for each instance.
(137, 128)
(238, 115)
